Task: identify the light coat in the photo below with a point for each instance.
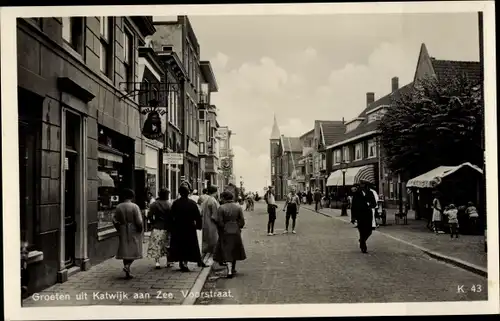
(128, 223)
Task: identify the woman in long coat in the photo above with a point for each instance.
(230, 221)
(209, 218)
(128, 222)
(186, 219)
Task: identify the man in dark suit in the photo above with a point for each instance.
(361, 212)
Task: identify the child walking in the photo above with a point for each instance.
(452, 213)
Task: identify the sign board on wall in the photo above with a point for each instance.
(154, 124)
(173, 158)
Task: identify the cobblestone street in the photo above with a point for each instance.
(322, 264)
(166, 286)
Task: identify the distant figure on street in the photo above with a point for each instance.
(292, 206)
(128, 222)
(186, 219)
(437, 212)
(361, 212)
(309, 197)
(375, 208)
(317, 199)
(271, 210)
(230, 221)
(159, 213)
(452, 213)
(209, 222)
(473, 215)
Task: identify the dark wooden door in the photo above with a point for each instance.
(27, 161)
(70, 206)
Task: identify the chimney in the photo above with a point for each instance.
(343, 121)
(395, 83)
(370, 98)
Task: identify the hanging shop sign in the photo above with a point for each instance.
(152, 127)
(173, 158)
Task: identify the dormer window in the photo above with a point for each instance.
(377, 113)
(353, 124)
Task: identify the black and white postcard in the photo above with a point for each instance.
(249, 160)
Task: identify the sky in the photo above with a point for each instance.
(314, 67)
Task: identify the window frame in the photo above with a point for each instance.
(372, 143)
(68, 25)
(128, 58)
(106, 44)
(346, 157)
(358, 147)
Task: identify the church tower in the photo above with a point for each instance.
(274, 144)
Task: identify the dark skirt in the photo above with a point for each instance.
(230, 248)
(184, 247)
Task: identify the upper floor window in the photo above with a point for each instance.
(337, 156)
(372, 148)
(347, 155)
(73, 32)
(358, 151)
(106, 46)
(128, 58)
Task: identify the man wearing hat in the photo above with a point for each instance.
(363, 202)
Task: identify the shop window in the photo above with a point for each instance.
(106, 46)
(113, 166)
(73, 32)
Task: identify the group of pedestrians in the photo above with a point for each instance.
(291, 209)
(174, 229)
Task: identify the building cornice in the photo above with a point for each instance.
(145, 24)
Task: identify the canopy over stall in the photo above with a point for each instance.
(433, 178)
(352, 176)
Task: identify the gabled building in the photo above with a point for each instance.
(325, 132)
(179, 36)
(208, 126)
(305, 164)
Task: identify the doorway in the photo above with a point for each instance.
(70, 199)
(71, 187)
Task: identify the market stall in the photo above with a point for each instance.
(456, 184)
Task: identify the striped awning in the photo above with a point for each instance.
(353, 175)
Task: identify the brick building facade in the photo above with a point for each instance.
(78, 136)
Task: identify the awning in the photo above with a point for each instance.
(352, 176)
(109, 156)
(105, 180)
(434, 177)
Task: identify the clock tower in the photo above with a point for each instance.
(275, 157)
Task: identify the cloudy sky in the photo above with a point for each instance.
(311, 67)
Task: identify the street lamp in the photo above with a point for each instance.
(343, 168)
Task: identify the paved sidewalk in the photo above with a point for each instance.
(167, 286)
(467, 249)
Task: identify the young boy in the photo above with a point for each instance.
(292, 209)
(452, 213)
